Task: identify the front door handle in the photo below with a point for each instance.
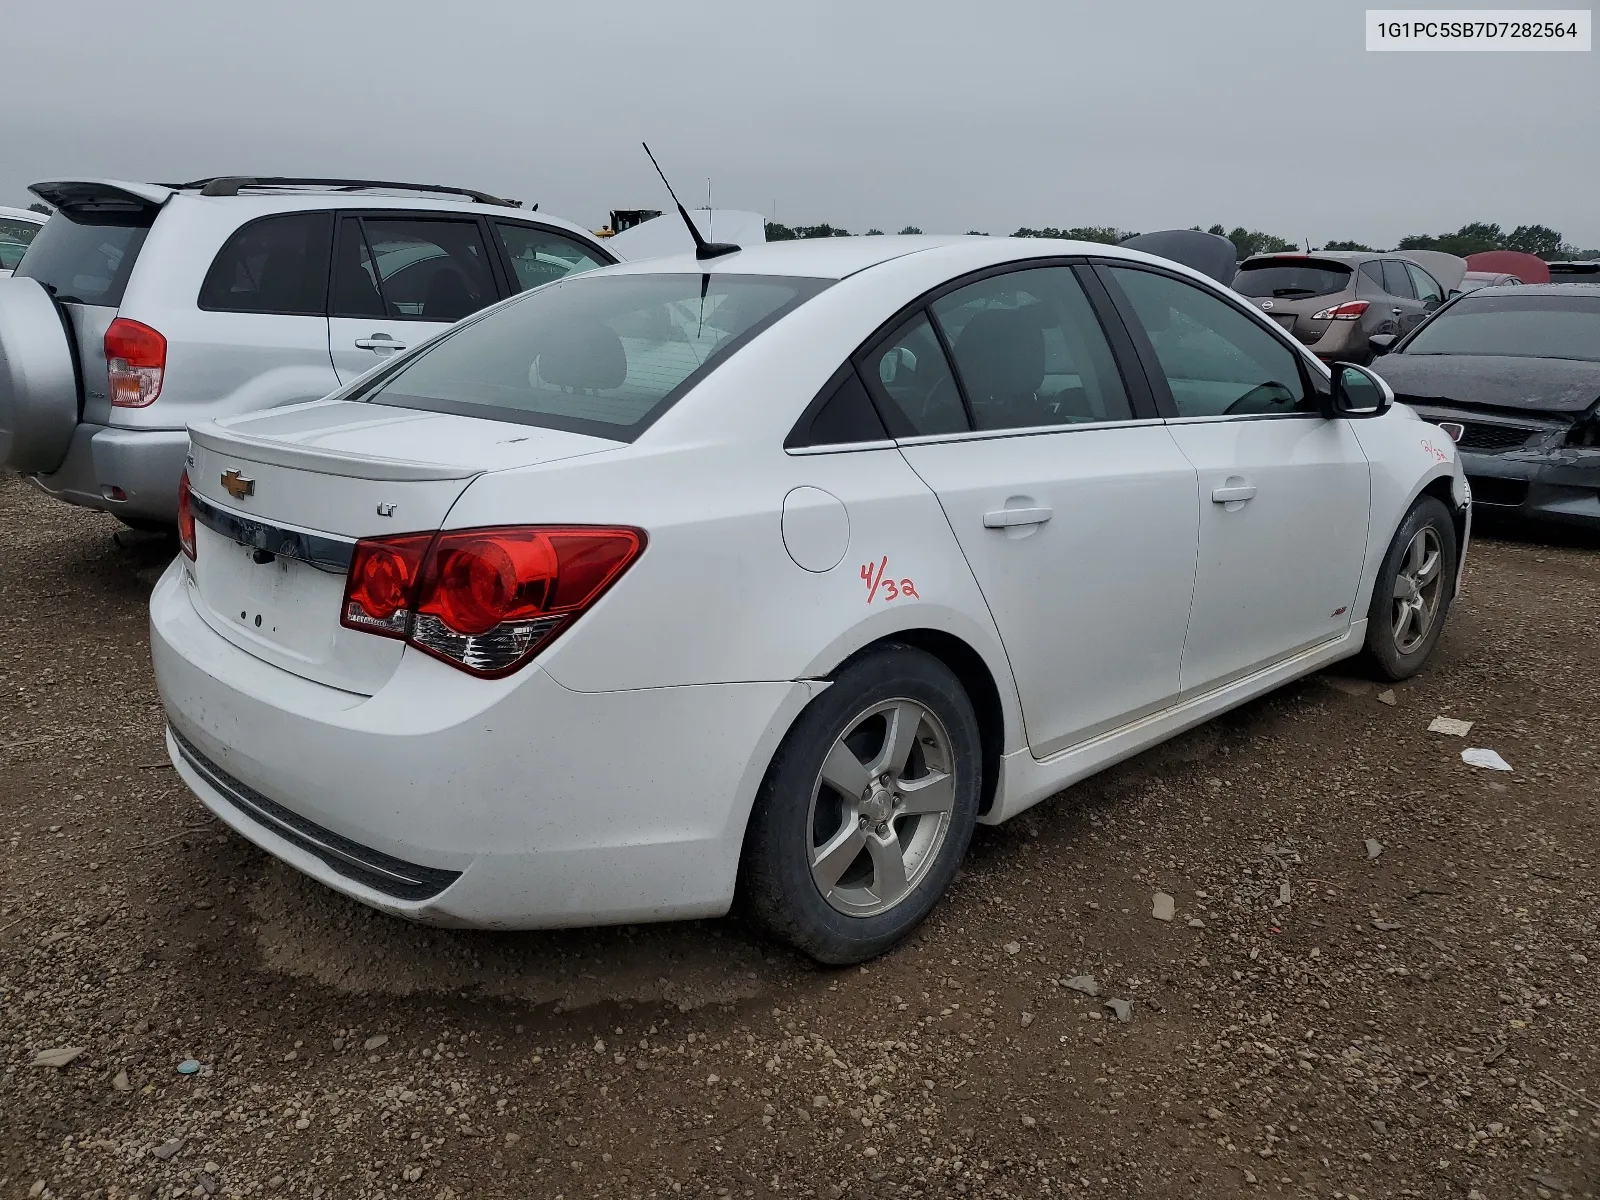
(1008, 518)
(1230, 495)
(379, 341)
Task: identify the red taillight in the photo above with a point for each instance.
(484, 600)
(382, 584)
(1348, 311)
(136, 357)
(185, 516)
(1454, 428)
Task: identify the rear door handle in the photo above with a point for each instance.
(1228, 495)
(1006, 518)
(1397, 311)
(379, 341)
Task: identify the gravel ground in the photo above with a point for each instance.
(1314, 1021)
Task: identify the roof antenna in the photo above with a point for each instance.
(702, 248)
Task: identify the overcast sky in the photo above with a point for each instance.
(1143, 114)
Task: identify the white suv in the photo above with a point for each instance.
(141, 308)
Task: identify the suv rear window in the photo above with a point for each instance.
(275, 265)
(1291, 280)
(598, 354)
(86, 258)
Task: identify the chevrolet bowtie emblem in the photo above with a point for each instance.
(237, 485)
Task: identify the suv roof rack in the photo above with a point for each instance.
(231, 185)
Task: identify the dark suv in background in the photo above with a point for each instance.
(1334, 301)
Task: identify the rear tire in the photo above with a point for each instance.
(866, 810)
(1411, 596)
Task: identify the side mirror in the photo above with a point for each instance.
(1381, 343)
(1356, 393)
(1454, 292)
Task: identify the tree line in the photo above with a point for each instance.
(1472, 238)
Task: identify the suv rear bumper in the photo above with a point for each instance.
(139, 465)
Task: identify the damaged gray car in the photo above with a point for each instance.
(1513, 375)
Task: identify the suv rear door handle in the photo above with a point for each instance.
(1228, 495)
(379, 341)
(1397, 311)
(1007, 518)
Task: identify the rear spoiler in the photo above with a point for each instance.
(102, 197)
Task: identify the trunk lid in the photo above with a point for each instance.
(282, 497)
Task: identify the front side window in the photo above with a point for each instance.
(596, 354)
(539, 256)
(912, 376)
(275, 265)
(415, 269)
(1029, 351)
(1515, 326)
(1217, 360)
(1427, 288)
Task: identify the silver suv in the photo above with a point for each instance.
(141, 308)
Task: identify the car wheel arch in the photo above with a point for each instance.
(975, 676)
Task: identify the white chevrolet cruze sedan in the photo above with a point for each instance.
(766, 575)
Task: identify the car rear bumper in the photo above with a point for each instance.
(512, 803)
(1561, 484)
(128, 472)
(1343, 341)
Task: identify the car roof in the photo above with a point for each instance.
(840, 257)
(289, 198)
(1544, 289)
(23, 214)
(1341, 256)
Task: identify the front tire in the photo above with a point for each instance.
(1412, 593)
(866, 810)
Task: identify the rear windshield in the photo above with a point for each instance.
(1290, 280)
(598, 354)
(86, 259)
(1519, 326)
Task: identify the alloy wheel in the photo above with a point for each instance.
(1418, 587)
(881, 807)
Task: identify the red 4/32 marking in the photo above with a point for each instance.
(1438, 454)
(873, 575)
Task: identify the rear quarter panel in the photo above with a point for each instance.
(218, 363)
(716, 596)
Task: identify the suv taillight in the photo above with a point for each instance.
(1351, 310)
(136, 357)
(484, 600)
(185, 516)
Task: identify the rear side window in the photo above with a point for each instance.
(275, 265)
(597, 354)
(1395, 280)
(539, 256)
(1030, 351)
(909, 370)
(15, 236)
(1286, 281)
(86, 258)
